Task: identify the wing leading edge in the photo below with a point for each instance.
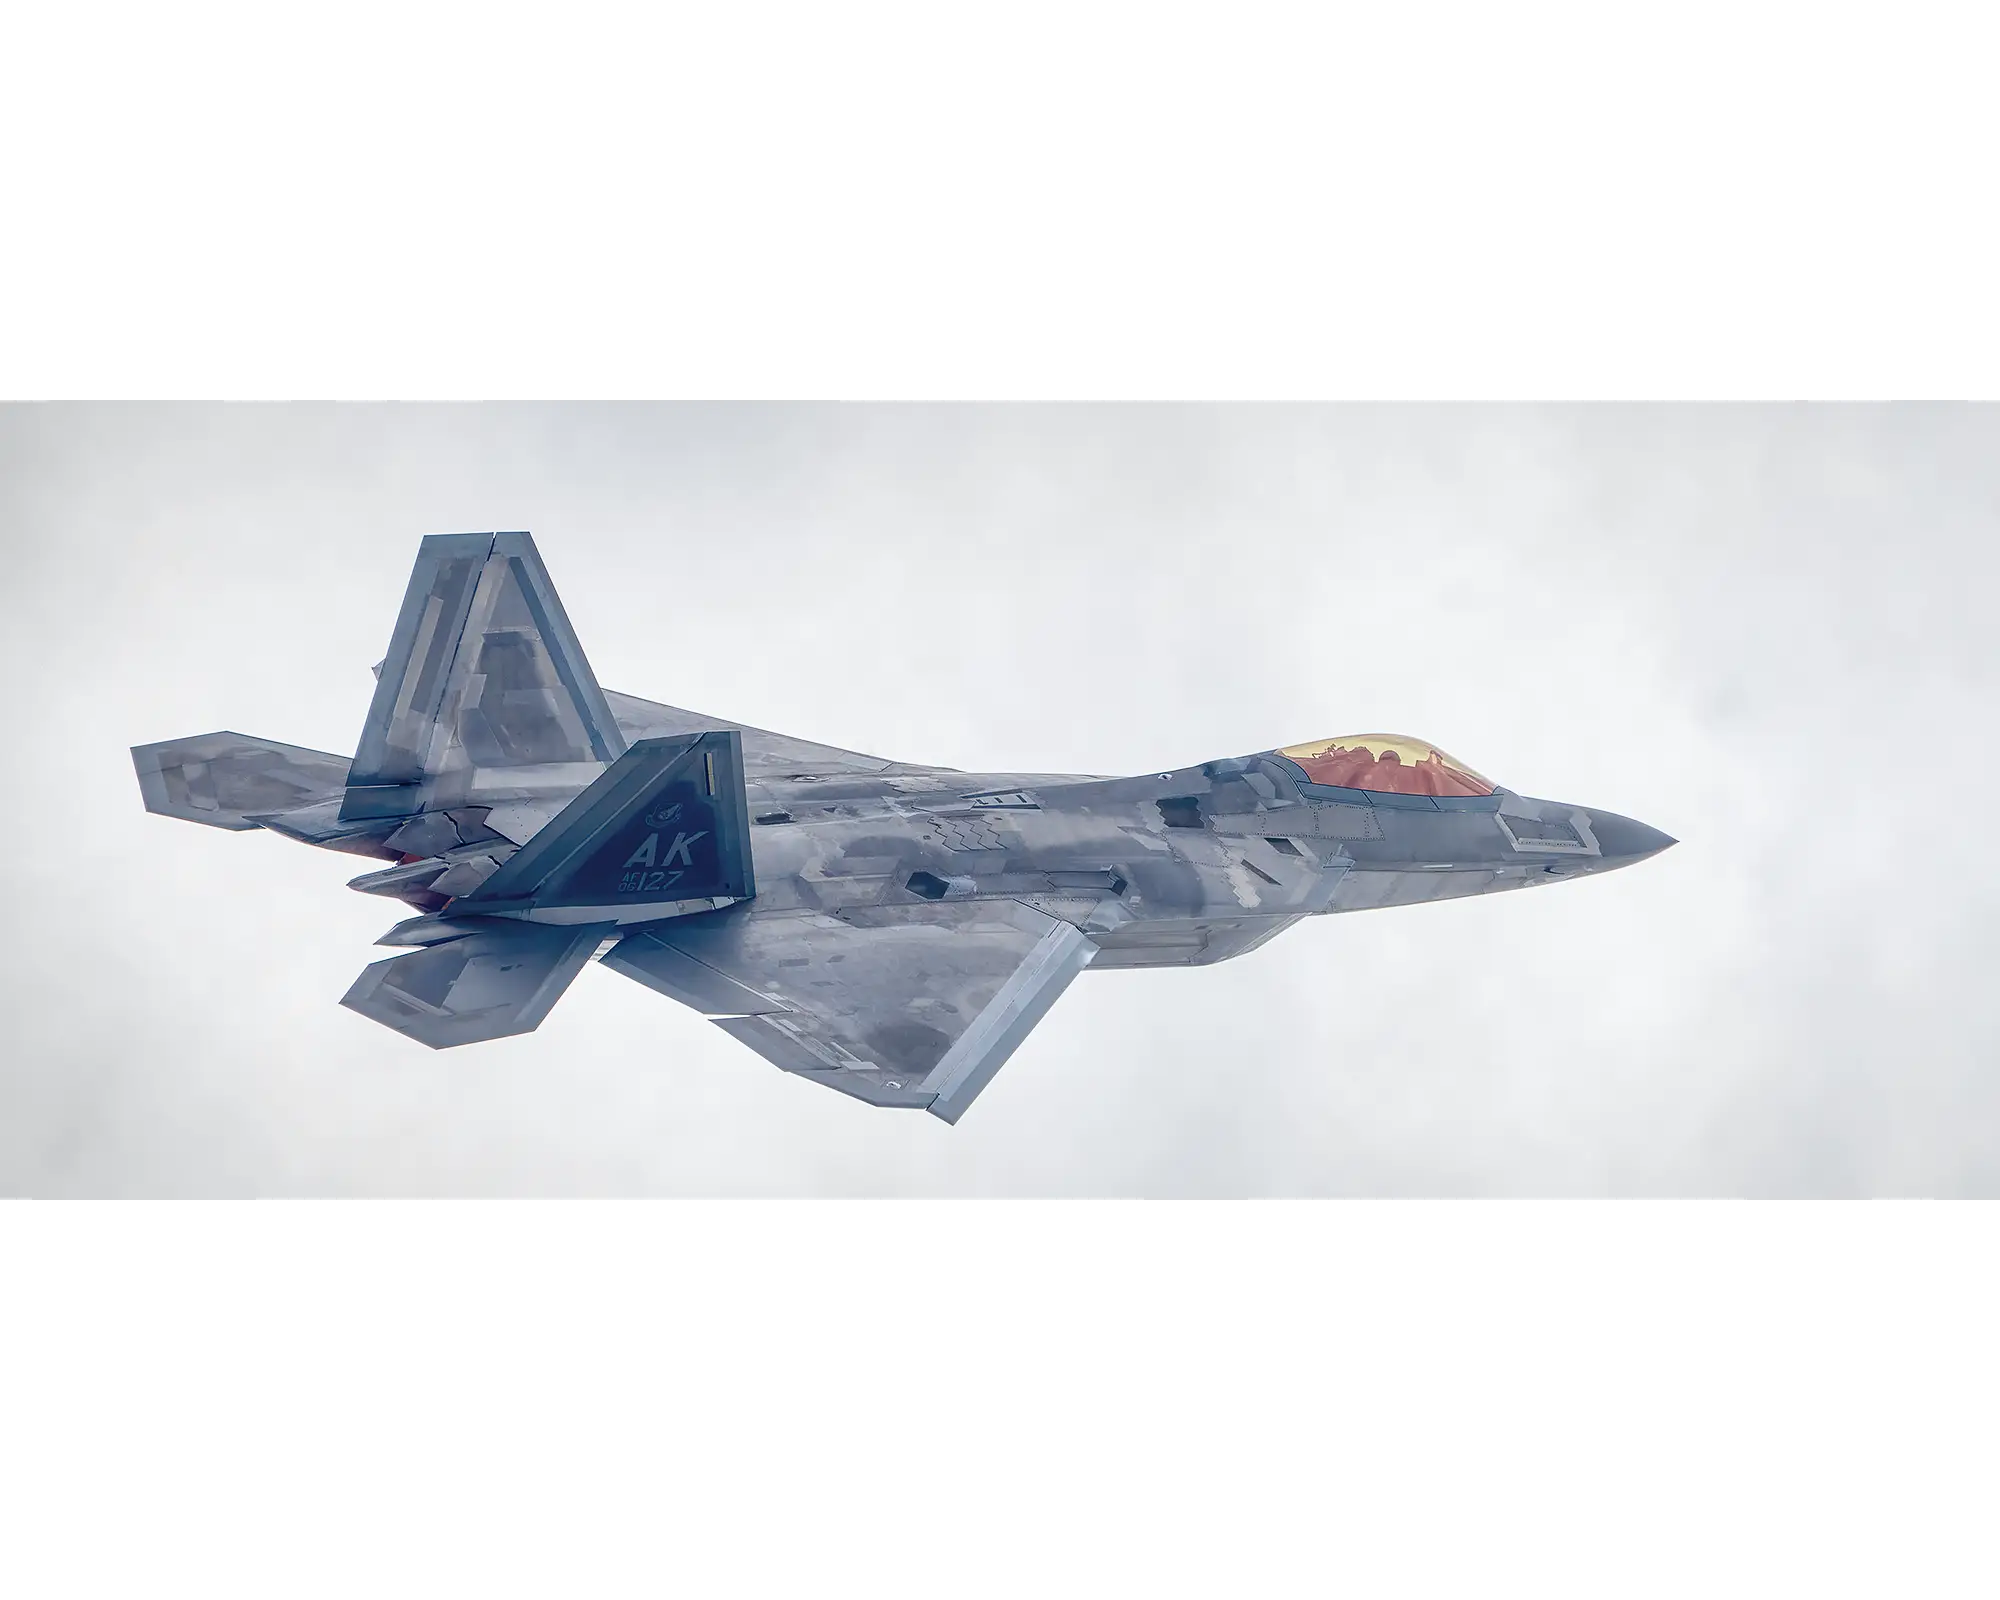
(765, 754)
(919, 1011)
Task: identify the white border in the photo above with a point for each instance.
(1047, 201)
(992, 1399)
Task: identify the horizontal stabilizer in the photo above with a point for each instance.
(484, 676)
(667, 822)
(228, 780)
(500, 981)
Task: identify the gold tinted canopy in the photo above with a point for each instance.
(1388, 763)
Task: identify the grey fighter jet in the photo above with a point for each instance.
(889, 930)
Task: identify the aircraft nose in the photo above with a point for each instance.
(1624, 840)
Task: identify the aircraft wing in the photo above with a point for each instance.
(917, 1008)
(765, 754)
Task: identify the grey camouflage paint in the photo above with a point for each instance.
(908, 925)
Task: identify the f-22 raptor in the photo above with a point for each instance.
(889, 930)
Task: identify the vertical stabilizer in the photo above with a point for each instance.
(666, 824)
(485, 689)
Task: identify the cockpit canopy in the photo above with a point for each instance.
(1387, 763)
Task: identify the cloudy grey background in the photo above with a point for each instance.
(1766, 629)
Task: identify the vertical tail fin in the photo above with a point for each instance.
(484, 676)
(665, 825)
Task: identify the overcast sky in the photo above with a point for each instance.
(1768, 630)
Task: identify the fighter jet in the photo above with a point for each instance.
(887, 929)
